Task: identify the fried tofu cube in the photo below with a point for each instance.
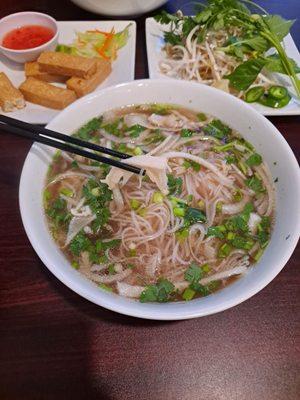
(84, 86)
(46, 95)
(33, 70)
(67, 64)
(10, 97)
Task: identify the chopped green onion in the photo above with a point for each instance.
(111, 269)
(157, 197)
(75, 264)
(224, 250)
(130, 266)
(201, 117)
(217, 231)
(182, 234)
(132, 252)
(185, 133)
(67, 192)
(179, 212)
(134, 204)
(243, 168)
(230, 235)
(188, 294)
(237, 195)
(96, 191)
(219, 206)
(205, 268)
(105, 287)
(137, 151)
(201, 205)
(258, 255)
(142, 211)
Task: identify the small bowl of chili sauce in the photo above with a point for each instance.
(25, 35)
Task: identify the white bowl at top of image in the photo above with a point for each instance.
(119, 7)
(17, 20)
(237, 114)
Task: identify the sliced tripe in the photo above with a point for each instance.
(155, 167)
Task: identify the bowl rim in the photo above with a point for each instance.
(162, 310)
(40, 47)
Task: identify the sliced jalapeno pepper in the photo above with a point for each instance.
(269, 101)
(278, 92)
(254, 94)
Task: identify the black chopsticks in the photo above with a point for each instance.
(44, 136)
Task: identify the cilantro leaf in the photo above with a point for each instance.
(217, 231)
(97, 196)
(174, 184)
(255, 184)
(254, 159)
(80, 243)
(135, 130)
(217, 129)
(159, 292)
(193, 273)
(172, 38)
(85, 132)
(193, 215)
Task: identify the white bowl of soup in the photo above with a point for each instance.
(214, 220)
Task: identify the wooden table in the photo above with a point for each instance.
(57, 345)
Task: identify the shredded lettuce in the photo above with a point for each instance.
(97, 44)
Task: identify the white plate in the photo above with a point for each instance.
(122, 67)
(155, 41)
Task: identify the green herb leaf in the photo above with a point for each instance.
(160, 292)
(86, 131)
(246, 73)
(172, 38)
(254, 159)
(105, 287)
(97, 196)
(193, 273)
(80, 243)
(278, 25)
(186, 133)
(274, 64)
(174, 185)
(135, 130)
(217, 129)
(255, 184)
(194, 215)
(217, 231)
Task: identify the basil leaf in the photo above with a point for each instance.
(274, 64)
(245, 74)
(278, 26)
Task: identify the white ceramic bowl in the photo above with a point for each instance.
(119, 7)
(20, 19)
(236, 113)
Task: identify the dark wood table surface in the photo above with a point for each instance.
(57, 345)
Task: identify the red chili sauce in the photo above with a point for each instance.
(27, 37)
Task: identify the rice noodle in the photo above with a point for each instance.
(183, 173)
